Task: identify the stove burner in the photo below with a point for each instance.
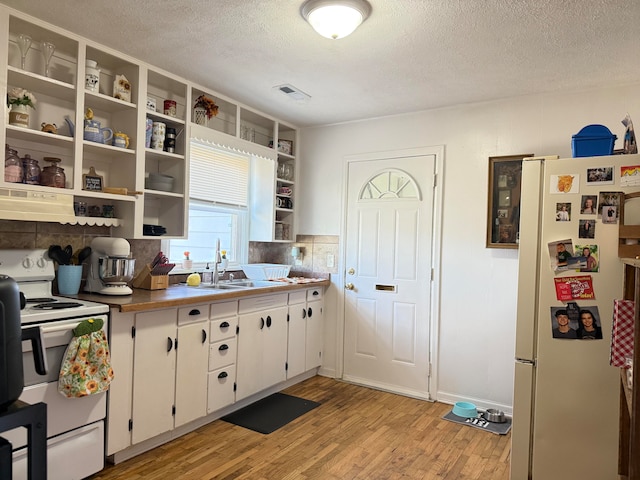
(41, 300)
(56, 305)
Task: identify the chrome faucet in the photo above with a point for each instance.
(217, 261)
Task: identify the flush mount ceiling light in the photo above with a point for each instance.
(335, 18)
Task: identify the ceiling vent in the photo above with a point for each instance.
(293, 93)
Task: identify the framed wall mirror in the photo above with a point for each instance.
(503, 206)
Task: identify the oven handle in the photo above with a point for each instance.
(37, 344)
(60, 328)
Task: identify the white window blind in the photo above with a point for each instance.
(218, 175)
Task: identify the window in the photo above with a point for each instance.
(207, 223)
(218, 191)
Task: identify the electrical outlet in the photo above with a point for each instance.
(331, 260)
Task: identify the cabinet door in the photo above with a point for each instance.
(191, 372)
(154, 373)
(250, 347)
(315, 334)
(274, 353)
(120, 390)
(296, 351)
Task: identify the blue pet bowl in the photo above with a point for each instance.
(465, 410)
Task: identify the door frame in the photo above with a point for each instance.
(436, 255)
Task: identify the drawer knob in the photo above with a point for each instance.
(223, 347)
(223, 375)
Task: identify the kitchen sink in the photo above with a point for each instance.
(238, 285)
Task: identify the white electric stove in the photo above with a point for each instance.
(73, 424)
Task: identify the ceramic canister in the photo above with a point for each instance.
(92, 76)
(148, 133)
(170, 108)
(158, 132)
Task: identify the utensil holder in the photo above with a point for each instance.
(146, 281)
(69, 278)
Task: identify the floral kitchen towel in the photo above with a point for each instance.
(86, 368)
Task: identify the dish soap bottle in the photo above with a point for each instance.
(207, 275)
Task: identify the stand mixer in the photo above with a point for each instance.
(110, 267)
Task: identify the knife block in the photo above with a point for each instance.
(146, 281)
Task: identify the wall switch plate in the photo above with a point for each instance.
(331, 260)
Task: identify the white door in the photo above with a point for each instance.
(388, 263)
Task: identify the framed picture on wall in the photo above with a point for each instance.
(503, 205)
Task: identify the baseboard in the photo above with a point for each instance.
(482, 404)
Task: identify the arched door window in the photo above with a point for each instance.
(390, 184)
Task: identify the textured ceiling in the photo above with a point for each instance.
(409, 55)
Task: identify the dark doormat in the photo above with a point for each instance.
(481, 423)
(270, 413)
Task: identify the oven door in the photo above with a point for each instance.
(63, 414)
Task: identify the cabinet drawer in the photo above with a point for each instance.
(223, 309)
(314, 294)
(221, 388)
(299, 296)
(222, 353)
(224, 328)
(193, 313)
(262, 303)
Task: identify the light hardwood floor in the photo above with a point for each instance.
(356, 433)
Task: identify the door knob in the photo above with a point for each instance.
(351, 271)
(349, 286)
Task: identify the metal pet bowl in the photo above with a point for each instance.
(465, 409)
(495, 416)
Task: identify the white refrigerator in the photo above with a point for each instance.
(566, 396)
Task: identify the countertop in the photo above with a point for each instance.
(179, 295)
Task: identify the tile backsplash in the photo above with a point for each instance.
(317, 250)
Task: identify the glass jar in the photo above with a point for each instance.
(31, 170)
(53, 175)
(13, 171)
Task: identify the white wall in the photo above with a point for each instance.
(478, 285)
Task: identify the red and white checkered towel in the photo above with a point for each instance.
(622, 333)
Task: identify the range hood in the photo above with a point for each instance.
(16, 204)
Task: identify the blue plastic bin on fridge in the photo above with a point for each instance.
(593, 141)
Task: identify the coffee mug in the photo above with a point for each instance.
(121, 140)
(158, 132)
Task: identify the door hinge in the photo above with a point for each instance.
(175, 344)
(286, 366)
(435, 181)
(235, 386)
(173, 410)
(429, 370)
(432, 274)
(237, 329)
(133, 332)
(130, 424)
(287, 318)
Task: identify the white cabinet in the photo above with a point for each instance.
(165, 208)
(297, 327)
(63, 95)
(160, 358)
(315, 327)
(305, 341)
(223, 351)
(192, 349)
(154, 373)
(262, 340)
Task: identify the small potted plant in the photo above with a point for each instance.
(204, 109)
(19, 99)
(187, 263)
